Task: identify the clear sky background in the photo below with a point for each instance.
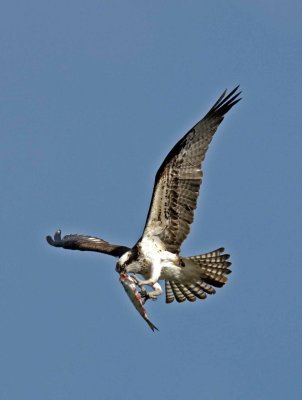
(93, 96)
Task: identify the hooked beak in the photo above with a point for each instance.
(119, 268)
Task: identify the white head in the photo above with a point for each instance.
(123, 261)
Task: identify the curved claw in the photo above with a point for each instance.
(152, 296)
(147, 295)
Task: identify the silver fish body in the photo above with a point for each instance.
(129, 285)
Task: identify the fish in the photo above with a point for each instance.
(129, 285)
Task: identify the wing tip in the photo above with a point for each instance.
(225, 102)
(50, 240)
(56, 240)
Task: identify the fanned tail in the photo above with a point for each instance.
(213, 270)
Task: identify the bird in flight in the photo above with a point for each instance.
(156, 255)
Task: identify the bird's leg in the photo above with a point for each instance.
(143, 291)
(151, 295)
(154, 275)
(156, 292)
(152, 281)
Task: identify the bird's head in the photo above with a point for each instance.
(123, 261)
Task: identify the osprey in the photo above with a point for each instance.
(156, 256)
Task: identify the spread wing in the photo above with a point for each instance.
(178, 180)
(86, 243)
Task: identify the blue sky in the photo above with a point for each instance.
(93, 96)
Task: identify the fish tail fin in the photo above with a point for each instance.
(152, 326)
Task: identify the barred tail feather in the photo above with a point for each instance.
(181, 292)
(179, 296)
(169, 292)
(213, 270)
(186, 291)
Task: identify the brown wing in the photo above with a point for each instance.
(178, 179)
(86, 243)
